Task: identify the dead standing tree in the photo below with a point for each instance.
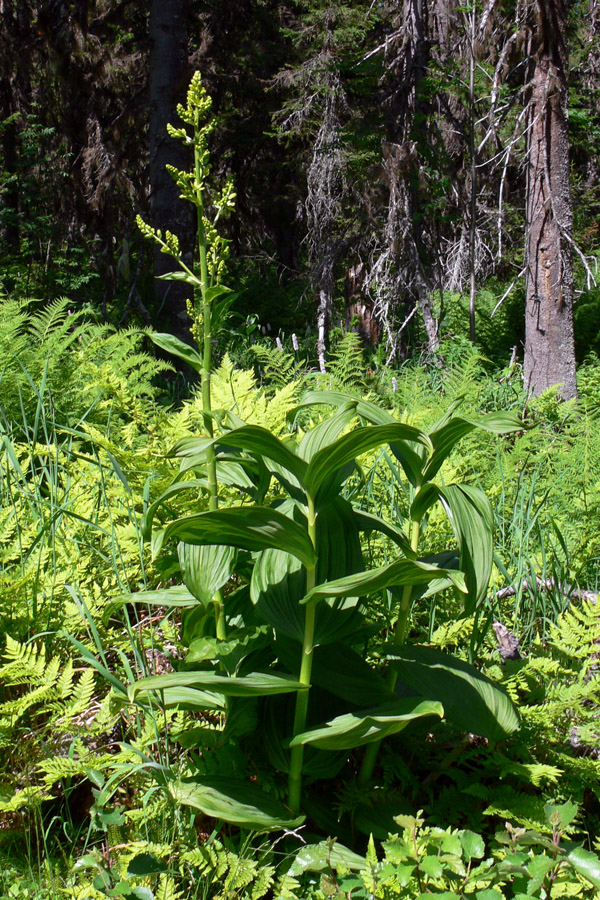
(549, 345)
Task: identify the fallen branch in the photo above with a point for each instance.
(546, 584)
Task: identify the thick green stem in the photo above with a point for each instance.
(211, 460)
(297, 753)
(400, 632)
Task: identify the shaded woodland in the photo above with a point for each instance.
(410, 170)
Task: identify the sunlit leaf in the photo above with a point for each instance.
(364, 726)
(247, 527)
(171, 344)
(205, 568)
(471, 701)
(257, 684)
(236, 802)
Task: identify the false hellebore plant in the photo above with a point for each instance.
(275, 595)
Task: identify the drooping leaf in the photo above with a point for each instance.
(259, 441)
(364, 408)
(327, 431)
(364, 726)
(190, 698)
(177, 488)
(471, 701)
(205, 568)
(369, 522)
(471, 517)
(177, 597)
(171, 344)
(236, 802)
(181, 275)
(446, 435)
(403, 571)
(325, 856)
(247, 527)
(347, 448)
(257, 684)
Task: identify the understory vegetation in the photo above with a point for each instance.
(274, 631)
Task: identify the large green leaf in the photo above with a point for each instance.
(471, 517)
(347, 448)
(364, 408)
(190, 698)
(470, 700)
(258, 684)
(170, 344)
(177, 488)
(584, 862)
(370, 522)
(278, 583)
(260, 442)
(343, 672)
(448, 433)
(323, 434)
(206, 568)
(472, 521)
(367, 725)
(403, 571)
(236, 802)
(172, 597)
(247, 527)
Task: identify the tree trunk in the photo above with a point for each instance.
(549, 346)
(169, 77)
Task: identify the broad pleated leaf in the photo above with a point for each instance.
(364, 408)
(172, 491)
(370, 522)
(403, 571)
(341, 671)
(367, 725)
(258, 684)
(172, 597)
(323, 434)
(260, 442)
(190, 698)
(472, 521)
(471, 701)
(205, 568)
(249, 528)
(349, 446)
(170, 344)
(446, 436)
(236, 802)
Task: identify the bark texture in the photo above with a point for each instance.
(549, 346)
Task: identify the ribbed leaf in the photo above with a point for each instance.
(205, 568)
(445, 437)
(362, 727)
(323, 434)
(173, 489)
(369, 522)
(173, 597)
(236, 802)
(366, 410)
(403, 571)
(247, 527)
(190, 698)
(470, 700)
(472, 521)
(260, 442)
(173, 345)
(349, 446)
(258, 684)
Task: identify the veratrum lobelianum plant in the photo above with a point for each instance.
(290, 656)
(277, 655)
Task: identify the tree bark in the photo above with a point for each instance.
(169, 76)
(549, 345)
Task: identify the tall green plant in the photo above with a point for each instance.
(296, 629)
(211, 298)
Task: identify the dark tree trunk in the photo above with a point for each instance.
(169, 78)
(549, 346)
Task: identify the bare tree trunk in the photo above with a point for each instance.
(169, 31)
(549, 346)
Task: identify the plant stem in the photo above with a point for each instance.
(211, 460)
(400, 632)
(297, 753)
